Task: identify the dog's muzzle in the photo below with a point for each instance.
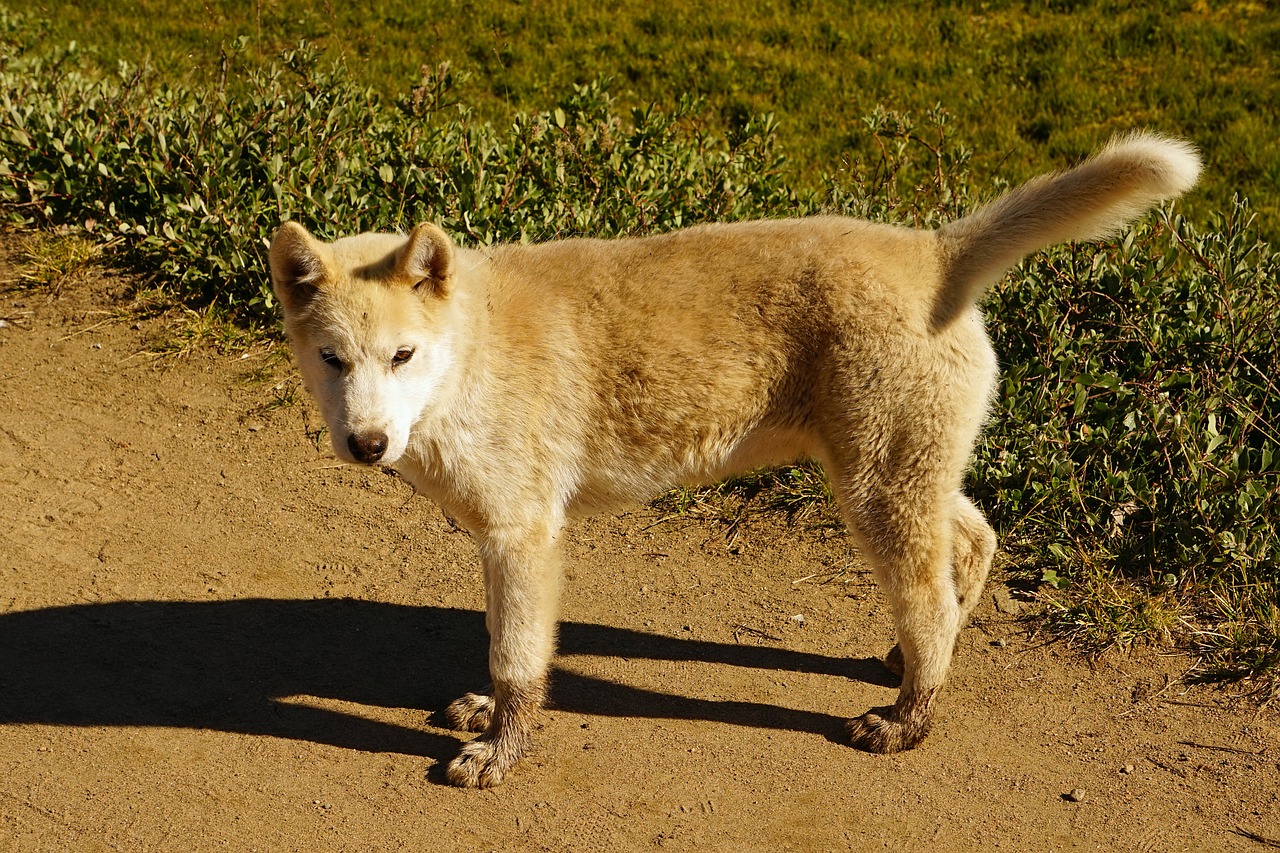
(367, 448)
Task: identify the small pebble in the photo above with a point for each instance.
(999, 644)
(1076, 795)
(1127, 769)
(798, 619)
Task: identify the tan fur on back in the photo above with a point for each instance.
(520, 384)
(686, 357)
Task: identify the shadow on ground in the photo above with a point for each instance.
(227, 665)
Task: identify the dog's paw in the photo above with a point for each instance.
(481, 764)
(877, 731)
(471, 713)
(893, 661)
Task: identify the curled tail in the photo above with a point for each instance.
(1093, 200)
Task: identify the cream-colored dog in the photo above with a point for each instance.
(517, 385)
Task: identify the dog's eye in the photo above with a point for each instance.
(402, 356)
(330, 358)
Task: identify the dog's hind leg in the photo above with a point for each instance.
(973, 547)
(973, 550)
(900, 512)
(522, 586)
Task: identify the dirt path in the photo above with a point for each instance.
(212, 637)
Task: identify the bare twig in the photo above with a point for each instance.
(756, 632)
(1234, 749)
(1253, 836)
(86, 329)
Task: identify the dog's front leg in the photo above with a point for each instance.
(522, 586)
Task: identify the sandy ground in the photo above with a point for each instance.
(214, 637)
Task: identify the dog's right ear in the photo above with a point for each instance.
(426, 260)
(297, 265)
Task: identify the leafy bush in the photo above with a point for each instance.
(1030, 82)
(192, 183)
(1138, 423)
(1133, 462)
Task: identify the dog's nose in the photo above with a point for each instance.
(367, 448)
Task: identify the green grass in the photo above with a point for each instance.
(1032, 84)
(799, 493)
(49, 260)
(1132, 467)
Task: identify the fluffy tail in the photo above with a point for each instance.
(1091, 201)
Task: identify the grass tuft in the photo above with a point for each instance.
(798, 493)
(49, 261)
(1100, 610)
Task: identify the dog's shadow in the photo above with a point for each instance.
(228, 665)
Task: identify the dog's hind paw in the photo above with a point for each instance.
(878, 733)
(887, 730)
(471, 713)
(481, 764)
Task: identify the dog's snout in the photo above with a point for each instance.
(367, 448)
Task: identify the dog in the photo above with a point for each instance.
(517, 385)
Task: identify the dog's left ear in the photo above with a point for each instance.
(426, 261)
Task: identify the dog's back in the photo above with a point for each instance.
(688, 356)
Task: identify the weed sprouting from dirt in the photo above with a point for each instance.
(798, 493)
(48, 261)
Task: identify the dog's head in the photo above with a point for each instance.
(366, 319)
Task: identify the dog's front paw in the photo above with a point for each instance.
(483, 763)
(471, 713)
(881, 731)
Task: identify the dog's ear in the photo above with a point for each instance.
(297, 265)
(426, 261)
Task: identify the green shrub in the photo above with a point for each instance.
(1138, 420)
(191, 183)
(1028, 82)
